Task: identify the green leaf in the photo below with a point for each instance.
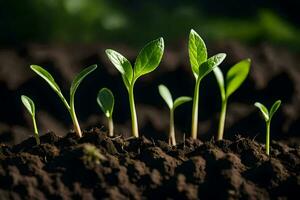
(274, 108)
(181, 100)
(46, 76)
(149, 58)
(263, 110)
(197, 51)
(206, 67)
(122, 65)
(220, 79)
(29, 104)
(79, 78)
(166, 95)
(106, 101)
(236, 76)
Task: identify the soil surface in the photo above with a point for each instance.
(98, 167)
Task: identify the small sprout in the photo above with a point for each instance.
(201, 66)
(76, 82)
(29, 105)
(92, 154)
(106, 102)
(147, 60)
(268, 117)
(234, 78)
(166, 95)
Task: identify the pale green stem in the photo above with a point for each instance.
(134, 122)
(268, 137)
(222, 120)
(110, 126)
(195, 110)
(172, 139)
(36, 133)
(75, 120)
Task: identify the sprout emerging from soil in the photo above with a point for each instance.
(166, 95)
(76, 82)
(234, 78)
(29, 105)
(106, 101)
(147, 60)
(268, 117)
(201, 66)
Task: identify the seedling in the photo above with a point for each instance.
(147, 60)
(166, 95)
(234, 78)
(268, 117)
(201, 66)
(29, 105)
(76, 82)
(106, 102)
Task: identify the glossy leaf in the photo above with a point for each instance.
(274, 108)
(181, 100)
(206, 67)
(149, 58)
(29, 104)
(263, 110)
(197, 52)
(220, 79)
(236, 76)
(79, 78)
(122, 65)
(106, 101)
(46, 76)
(166, 95)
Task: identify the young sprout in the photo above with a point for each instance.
(147, 60)
(76, 82)
(234, 78)
(201, 66)
(268, 117)
(29, 105)
(166, 95)
(106, 102)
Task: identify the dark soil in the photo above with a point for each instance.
(99, 167)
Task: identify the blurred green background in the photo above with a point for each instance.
(134, 21)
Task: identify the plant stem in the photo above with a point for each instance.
(268, 137)
(110, 126)
(134, 122)
(75, 121)
(36, 133)
(195, 110)
(172, 139)
(222, 120)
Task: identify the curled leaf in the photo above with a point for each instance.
(181, 100)
(79, 78)
(274, 108)
(236, 76)
(263, 110)
(29, 104)
(106, 101)
(166, 95)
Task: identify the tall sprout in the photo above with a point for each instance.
(147, 60)
(234, 78)
(76, 82)
(201, 66)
